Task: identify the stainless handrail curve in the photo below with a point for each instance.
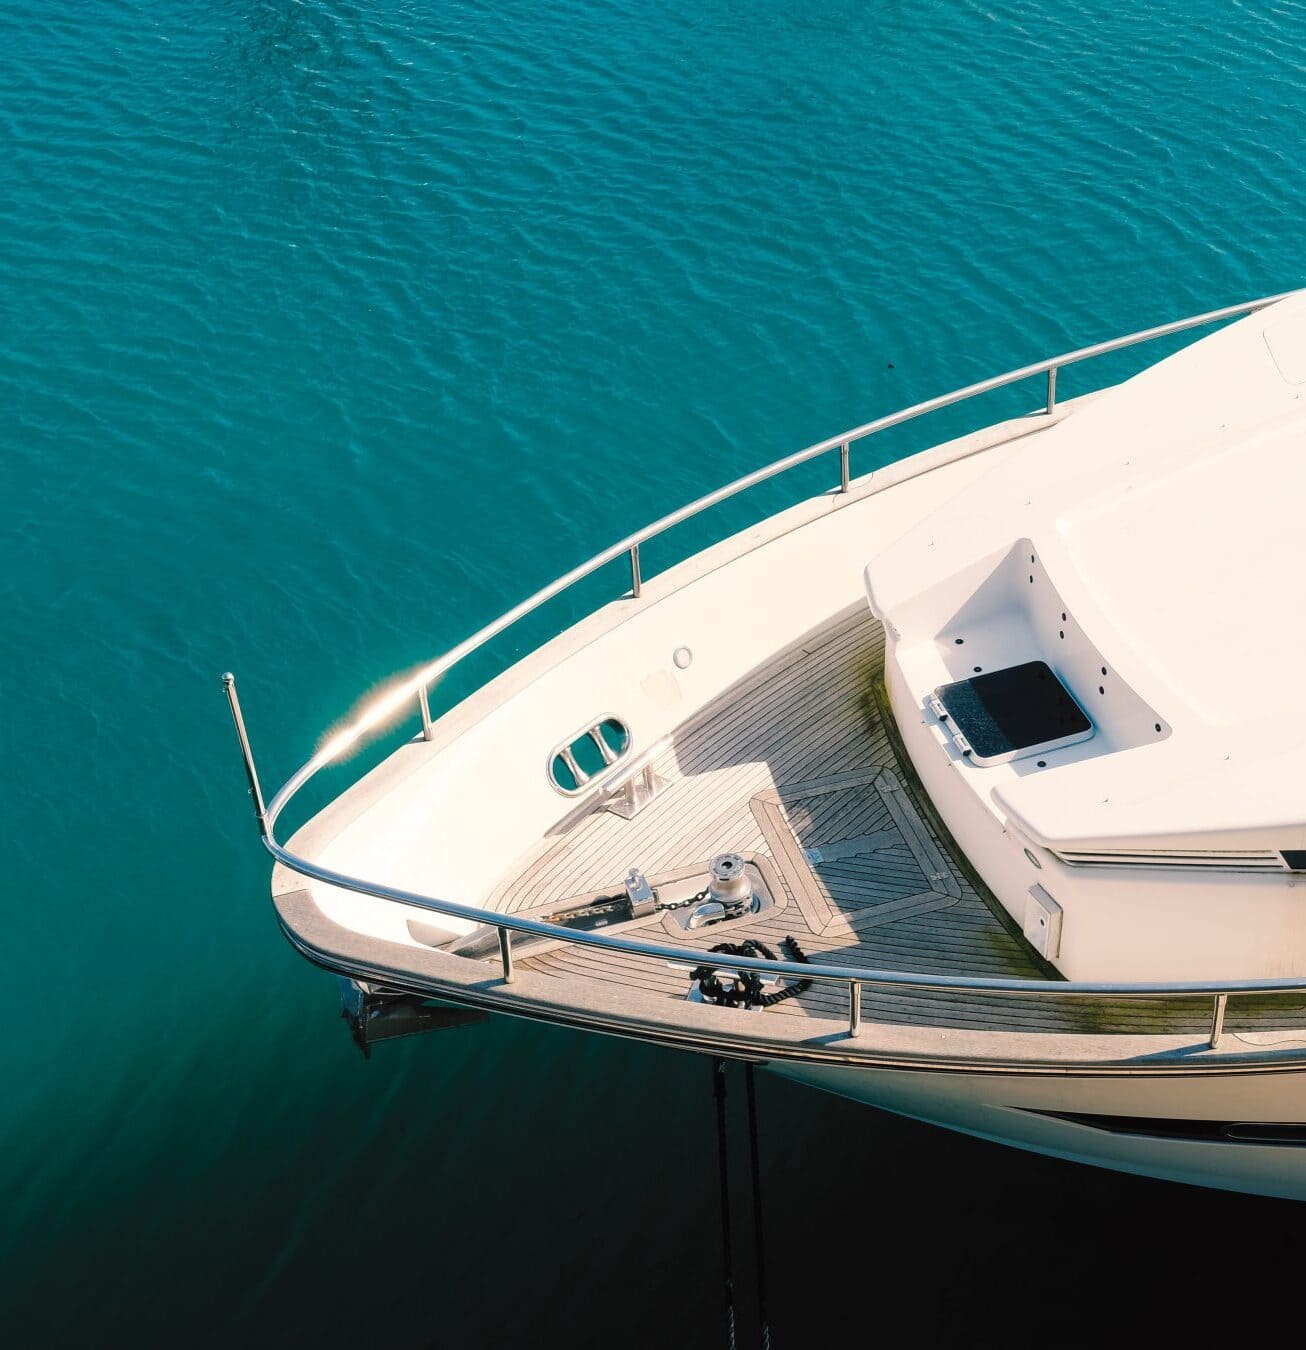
(891, 979)
(419, 685)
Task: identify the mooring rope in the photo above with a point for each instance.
(727, 1256)
(758, 1243)
(743, 988)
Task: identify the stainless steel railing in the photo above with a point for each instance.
(418, 686)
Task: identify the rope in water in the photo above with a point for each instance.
(727, 1254)
(758, 1244)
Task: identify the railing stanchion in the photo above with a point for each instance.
(505, 954)
(843, 466)
(424, 706)
(251, 773)
(854, 1008)
(636, 581)
(1217, 1019)
(1052, 390)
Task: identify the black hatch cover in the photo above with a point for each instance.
(1003, 712)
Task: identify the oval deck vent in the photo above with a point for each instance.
(1251, 860)
(589, 755)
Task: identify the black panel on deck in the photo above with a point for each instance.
(1006, 711)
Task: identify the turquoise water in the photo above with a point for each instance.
(330, 330)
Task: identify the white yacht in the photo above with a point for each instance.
(972, 788)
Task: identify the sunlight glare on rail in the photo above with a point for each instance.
(372, 712)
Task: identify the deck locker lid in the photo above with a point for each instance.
(1007, 714)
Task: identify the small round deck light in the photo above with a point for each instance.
(683, 658)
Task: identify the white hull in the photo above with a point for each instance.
(1026, 1112)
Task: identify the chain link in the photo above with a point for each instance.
(684, 904)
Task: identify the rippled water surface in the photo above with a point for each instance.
(330, 330)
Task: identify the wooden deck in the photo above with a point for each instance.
(795, 768)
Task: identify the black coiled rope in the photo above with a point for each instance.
(743, 988)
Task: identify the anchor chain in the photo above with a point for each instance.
(619, 907)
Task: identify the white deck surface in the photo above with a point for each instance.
(1150, 549)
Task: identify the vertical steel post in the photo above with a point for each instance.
(843, 466)
(1217, 1019)
(636, 581)
(1052, 390)
(424, 707)
(251, 773)
(505, 954)
(854, 1008)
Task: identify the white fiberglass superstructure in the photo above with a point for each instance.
(968, 788)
